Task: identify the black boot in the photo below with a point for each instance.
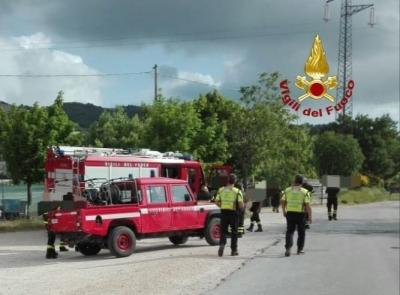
(63, 248)
(334, 216)
(221, 251)
(251, 227)
(51, 253)
(329, 216)
(259, 228)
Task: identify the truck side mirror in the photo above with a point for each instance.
(187, 197)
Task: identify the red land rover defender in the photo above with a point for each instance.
(128, 210)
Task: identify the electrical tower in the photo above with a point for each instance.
(345, 46)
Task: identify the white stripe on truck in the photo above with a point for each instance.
(113, 216)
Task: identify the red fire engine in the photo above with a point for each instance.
(74, 169)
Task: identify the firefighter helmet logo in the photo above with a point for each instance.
(316, 67)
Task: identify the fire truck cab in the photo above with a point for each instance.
(136, 209)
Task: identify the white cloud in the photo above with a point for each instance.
(25, 55)
(33, 41)
(185, 84)
(190, 77)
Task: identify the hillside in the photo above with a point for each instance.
(84, 114)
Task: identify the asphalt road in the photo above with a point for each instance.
(358, 254)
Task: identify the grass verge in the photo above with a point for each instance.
(366, 195)
(21, 224)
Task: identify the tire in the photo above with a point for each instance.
(213, 231)
(178, 240)
(88, 249)
(121, 241)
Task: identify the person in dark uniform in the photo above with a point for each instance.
(241, 212)
(332, 200)
(51, 239)
(204, 194)
(310, 189)
(275, 198)
(51, 252)
(230, 200)
(295, 201)
(255, 217)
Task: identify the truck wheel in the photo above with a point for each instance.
(213, 231)
(121, 241)
(178, 240)
(88, 249)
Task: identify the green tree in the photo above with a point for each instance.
(294, 155)
(338, 154)
(24, 145)
(61, 130)
(379, 141)
(171, 125)
(262, 138)
(215, 111)
(3, 123)
(26, 133)
(115, 129)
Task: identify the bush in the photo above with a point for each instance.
(366, 195)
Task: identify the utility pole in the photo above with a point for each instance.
(345, 46)
(155, 82)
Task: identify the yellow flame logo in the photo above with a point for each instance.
(316, 67)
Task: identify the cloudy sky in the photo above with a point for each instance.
(198, 45)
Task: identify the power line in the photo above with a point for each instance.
(112, 75)
(109, 75)
(152, 42)
(128, 38)
(72, 75)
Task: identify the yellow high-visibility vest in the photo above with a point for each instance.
(228, 197)
(296, 197)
